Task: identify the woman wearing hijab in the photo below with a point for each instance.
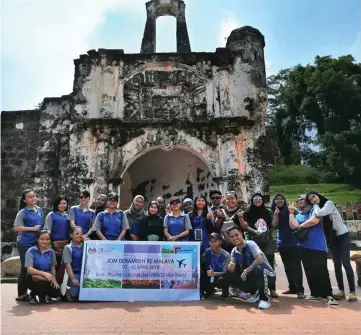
(287, 246)
(313, 251)
(151, 226)
(339, 239)
(256, 221)
(134, 214)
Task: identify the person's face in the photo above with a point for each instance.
(313, 199)
(30, 199)
(279, 201)
(160, 201)
(138, 203)
(77, 235)
(236, 237)
(101, 201)
(44, 241)
(168, 209)
(214, 243)
(201, 203)
(216, 199)
(84, 200)
(153, 209)
(62, 205)
(301, 203)
(175, 206)
(188, 206)
(112, 204)
(257, 201)
(231, 200)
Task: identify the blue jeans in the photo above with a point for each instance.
(340, 249)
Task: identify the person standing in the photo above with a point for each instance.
(339, 243)
(151, 226)
(256, 221)
(161, 208)
(313, 250)
(28, 223)
(134, 214)
(214, 261)
(100, 204)
(176, 224)
(81, 215)
(287, 246)
(216, 200)
(112, 224)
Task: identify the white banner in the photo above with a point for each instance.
(140, 271)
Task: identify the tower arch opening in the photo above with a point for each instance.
(179, 172)
(166, 34)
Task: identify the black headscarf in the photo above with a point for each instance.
(283, 215)
(253, 212)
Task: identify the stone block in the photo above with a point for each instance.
(10, 267)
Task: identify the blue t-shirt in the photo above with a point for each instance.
(285, 233)
(199, 222)
(40, 261)
(218, 262)
(73, 254)
(177, 225)
(28, 217)
(315, 239)
(59, 226)
(83, 219)
(111, 224)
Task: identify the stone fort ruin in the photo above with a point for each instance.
(149, 123)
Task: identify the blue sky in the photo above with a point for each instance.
(40, 38)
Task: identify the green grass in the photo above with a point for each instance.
(338, 193)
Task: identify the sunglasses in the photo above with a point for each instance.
(216, 198)
(299, 200)
(83, 197)
(77, 234)
(257, 199)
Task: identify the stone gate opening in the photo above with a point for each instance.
(166, 173)
(166, 40)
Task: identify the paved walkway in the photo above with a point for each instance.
(287, 316)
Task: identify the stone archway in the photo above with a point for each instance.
(156, 172)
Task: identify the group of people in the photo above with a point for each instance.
(236, 241)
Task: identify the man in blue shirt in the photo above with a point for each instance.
(249, 269)
(214, 262)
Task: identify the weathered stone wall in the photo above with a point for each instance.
(19, 145)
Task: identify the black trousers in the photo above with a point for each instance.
(315, 265)
(42, 288)
(208, 287)
(292, 263)
(22, 288)
(257, 280)
(271, 261)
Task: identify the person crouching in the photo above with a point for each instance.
(214, 262)
(249, 269)
(72, 258)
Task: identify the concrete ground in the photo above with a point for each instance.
(286, 316)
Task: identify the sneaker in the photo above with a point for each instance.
(301, 295)
(209, 294)
(264, 304)
(331, 301)
(312, 298)
(33, 301)
(273, 294)
(234, 292)
(352, 297)
(244, 296)
(252, 299)
(23, 297)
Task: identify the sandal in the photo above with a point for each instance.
(23, 297)
(340, 296)
(352, 298)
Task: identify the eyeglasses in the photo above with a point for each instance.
(257, 199)
(83, 197)
(216, 198)
(77, 234)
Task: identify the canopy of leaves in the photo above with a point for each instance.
(324, 97)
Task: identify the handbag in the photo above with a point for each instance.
(263, 239)
(300, 234)
(59, 246)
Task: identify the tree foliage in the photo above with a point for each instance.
(324, 97)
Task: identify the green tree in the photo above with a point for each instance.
(325, 96)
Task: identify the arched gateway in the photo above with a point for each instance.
(153, 123)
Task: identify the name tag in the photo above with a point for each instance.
(198, 234)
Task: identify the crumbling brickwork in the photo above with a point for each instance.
(124, 106)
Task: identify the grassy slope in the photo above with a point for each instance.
(338, 193)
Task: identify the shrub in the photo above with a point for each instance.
(294, 174)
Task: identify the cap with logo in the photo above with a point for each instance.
(174, 199)
(216, 236)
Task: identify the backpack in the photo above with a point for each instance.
(227, 223)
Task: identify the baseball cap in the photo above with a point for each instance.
(187, 200)
(174, 199)
(216, 236)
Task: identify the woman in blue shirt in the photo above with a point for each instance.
(81, 215)
(201, 222)
(28, 223)
(40, 262)
(176, 224)
(313, 251)
(72, 258)
(287, 246)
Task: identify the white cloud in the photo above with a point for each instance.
(42, 37)
(356, 48)
(228, 23)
